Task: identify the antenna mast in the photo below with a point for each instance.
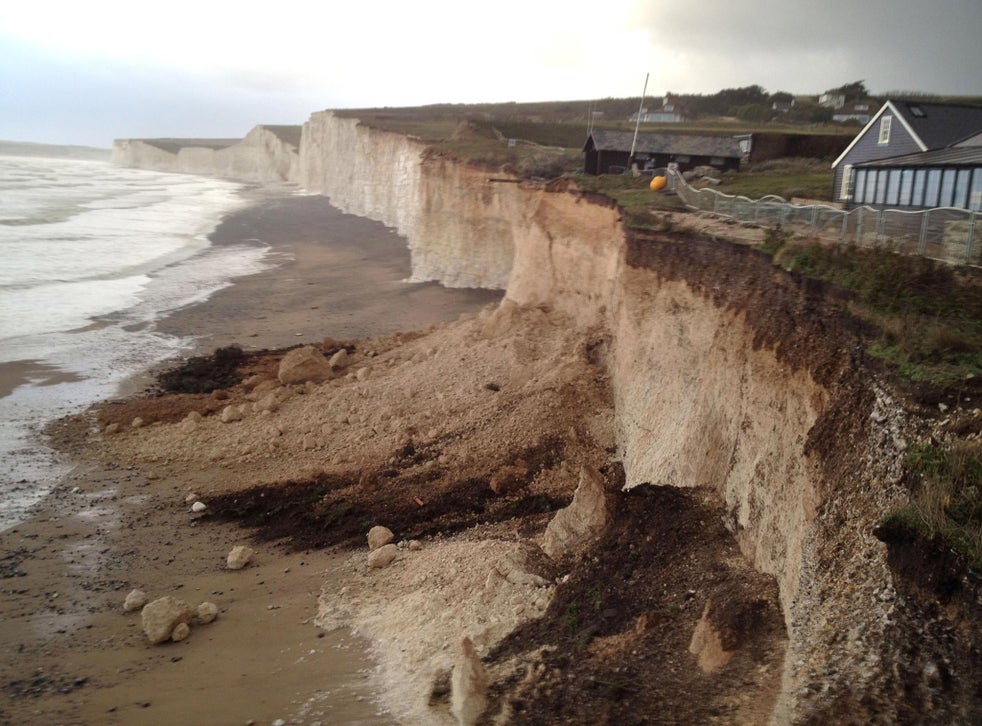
(637, 123)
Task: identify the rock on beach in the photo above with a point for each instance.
(239, 557)
(302, 365)
(161, 616)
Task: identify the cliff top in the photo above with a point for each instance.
(174, 145)
(289, 134)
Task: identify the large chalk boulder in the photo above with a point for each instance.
(161, 616)
(379, 536)
(302, 365)
(383, 556)
(583, 520)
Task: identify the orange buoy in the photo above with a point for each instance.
(657, 182)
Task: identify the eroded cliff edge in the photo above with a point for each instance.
(726, 373)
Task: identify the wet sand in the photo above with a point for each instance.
(70, 655)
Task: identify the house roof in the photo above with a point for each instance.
(931, 125)
(938, 124)
(955, 156)
(651, 142)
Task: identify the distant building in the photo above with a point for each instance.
(668, 113)
(609, 152)
(832, 99)
(914, 155)
(859, 111)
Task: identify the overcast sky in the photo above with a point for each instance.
(89, 71)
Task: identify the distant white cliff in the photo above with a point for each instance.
(267, 153)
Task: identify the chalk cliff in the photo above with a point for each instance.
(726, 371)
(459, 228)
(267, 153)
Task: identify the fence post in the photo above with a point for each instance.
(859, 226)
(814, 222)
(845, 226)
(971, 237)
(879, 228)
(923, 240)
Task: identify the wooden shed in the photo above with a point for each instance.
(609, 152)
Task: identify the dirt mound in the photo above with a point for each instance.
(614, 644)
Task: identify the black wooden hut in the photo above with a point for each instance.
(609, 152)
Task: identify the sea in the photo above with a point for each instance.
(91, 255)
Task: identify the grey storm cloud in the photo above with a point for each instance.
(892, 44)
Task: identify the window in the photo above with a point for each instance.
(893, 186)
(845, 190)
(885, 123)
(975, 196)
(881, 186)
(870, 192)
(857, 186)
(947, 187)
(917, 198)
(917, 111)
(931, 190)
(961, 188)
(906, 186)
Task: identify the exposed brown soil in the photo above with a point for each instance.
(615, 639)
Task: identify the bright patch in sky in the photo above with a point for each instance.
(86, 72)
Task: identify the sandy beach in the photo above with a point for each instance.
(70, 653)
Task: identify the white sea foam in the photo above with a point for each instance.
(83, 243)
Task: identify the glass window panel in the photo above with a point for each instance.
(975, 196)
(893, 186)
(917, 197)
(947, 187)
(859, 185)
(906, 187)
(881, 186)
(869, 194)
(932, 188)
(961, 188)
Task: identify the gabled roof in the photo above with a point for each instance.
(931, 125)
(939, 125)
(651, 142)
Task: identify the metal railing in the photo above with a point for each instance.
(944, 233)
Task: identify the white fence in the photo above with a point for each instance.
(945, 233)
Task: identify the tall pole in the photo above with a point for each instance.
(634, 141)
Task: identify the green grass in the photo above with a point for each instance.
(643, 208)
(948, 499)
(809, 184)
(928, 314)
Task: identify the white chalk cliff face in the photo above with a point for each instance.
(459, 230)
(262, 156)
(708, 389)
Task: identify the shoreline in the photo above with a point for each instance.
(74, 657)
